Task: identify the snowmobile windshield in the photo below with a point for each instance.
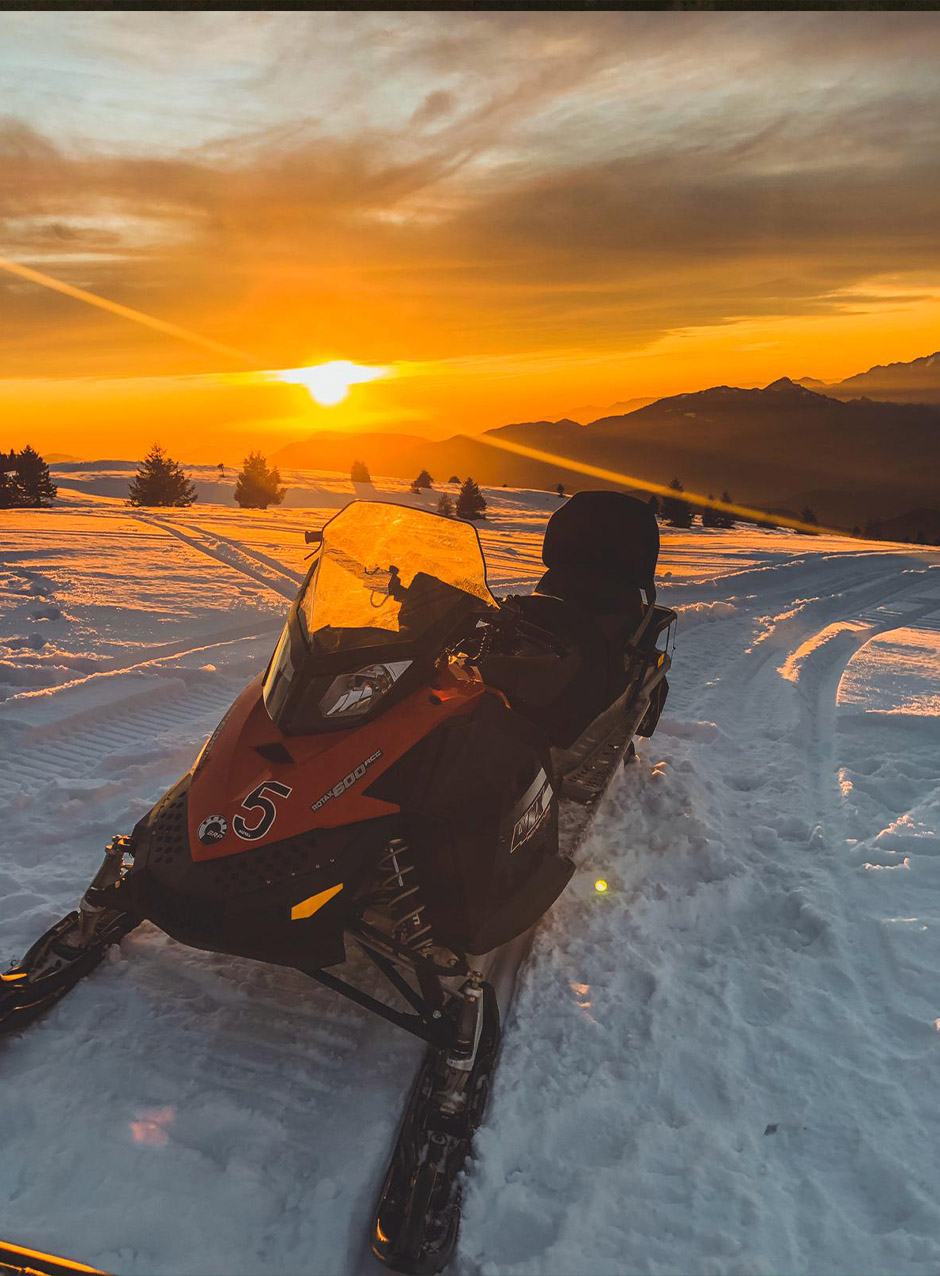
(387, 574)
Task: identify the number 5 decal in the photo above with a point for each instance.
(258, 801)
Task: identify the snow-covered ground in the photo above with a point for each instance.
(722, 1065)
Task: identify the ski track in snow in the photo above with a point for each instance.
(721, 1065)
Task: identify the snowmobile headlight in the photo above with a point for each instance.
(353, 694)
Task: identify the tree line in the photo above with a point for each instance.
(161, 481)
(470, 502)
(25, 483)
(675, 511)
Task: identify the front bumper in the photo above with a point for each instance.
(242, 903)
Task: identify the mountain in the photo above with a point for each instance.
(397, 454)
(781, 446)
(590, 412)
(404, 455)
(765, 445)
(914, 382)
(920, 527)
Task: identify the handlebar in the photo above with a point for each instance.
(511, 618)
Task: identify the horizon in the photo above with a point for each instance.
(58, 456)
(504, 217)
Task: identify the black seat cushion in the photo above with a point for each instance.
(600, 591)
(606, 536)
(600, 549)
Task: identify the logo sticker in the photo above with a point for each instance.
(535, 813)
(347, 781)
(212, 829)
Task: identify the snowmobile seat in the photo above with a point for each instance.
(600, 550)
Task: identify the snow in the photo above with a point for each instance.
(724, 1064)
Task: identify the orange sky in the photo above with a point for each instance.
(517, 214)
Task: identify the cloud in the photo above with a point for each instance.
(476, 183)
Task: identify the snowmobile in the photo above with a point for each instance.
(393, 781)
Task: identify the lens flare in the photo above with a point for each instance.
(600, 886)
(746, 512)
(329, 383)
(123, 312)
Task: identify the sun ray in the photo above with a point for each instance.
(747, 512)
(124, 312)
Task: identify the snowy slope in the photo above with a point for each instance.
(763, 960)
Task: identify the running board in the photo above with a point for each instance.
(588, 780)
(586, 784)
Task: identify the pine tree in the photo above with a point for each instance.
(725, 517)
(161, 481)
(560, 489)
(675, 512)
(653, 503)
(257, 487)
(32, 479)
(445, 506)
(10, 496)
(470, 502)
(710, 516)
(453, 479)
(423, 480)
(359, 473)
(807, 516)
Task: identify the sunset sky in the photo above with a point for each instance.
(509, 215)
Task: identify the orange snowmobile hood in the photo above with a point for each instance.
(312, 781)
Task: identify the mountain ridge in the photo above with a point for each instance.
(866, 458)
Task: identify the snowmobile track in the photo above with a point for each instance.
(232, 554)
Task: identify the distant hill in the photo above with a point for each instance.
(921, 527)
(914, 382)
(772, 448)
(590, 412)
(395, 454)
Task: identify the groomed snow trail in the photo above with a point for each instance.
(186, 1113)
(727, 1062)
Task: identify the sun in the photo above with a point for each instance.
(329, 383)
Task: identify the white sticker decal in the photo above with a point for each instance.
(347, 781)
(258, 800)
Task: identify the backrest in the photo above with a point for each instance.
(605, 530)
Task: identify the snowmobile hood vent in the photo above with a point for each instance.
(275, 752)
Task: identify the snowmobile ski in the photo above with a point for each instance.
(69, 950)
(418, 1213)
(16, 1260)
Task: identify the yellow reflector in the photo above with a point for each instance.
(14, 975)
(600, 886)
(379, 1233)
(307, 907)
